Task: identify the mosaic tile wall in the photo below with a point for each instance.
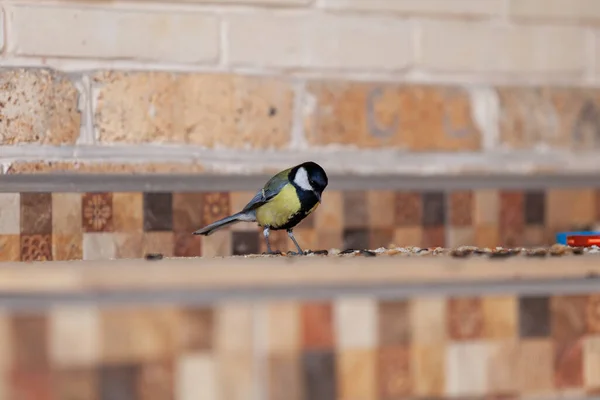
(67, 226)
(503, 347)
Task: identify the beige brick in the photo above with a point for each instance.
(319, 41)
(556, 9)
(178, 37)
(463, 46)
(282, 3)
(212, 110)
(38, 106)
(422, 7)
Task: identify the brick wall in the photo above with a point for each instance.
(253, 85)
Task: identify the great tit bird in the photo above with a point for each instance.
(285, 200)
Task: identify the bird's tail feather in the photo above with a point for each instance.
(222, 223)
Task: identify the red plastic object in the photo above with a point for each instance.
(583, 241)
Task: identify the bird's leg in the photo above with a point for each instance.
(291, 235)
(266, 234)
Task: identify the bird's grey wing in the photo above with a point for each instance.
(270, 190)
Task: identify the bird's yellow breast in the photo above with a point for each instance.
(280, 209)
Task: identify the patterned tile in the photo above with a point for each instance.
(158, 242)
(568, 326)
(128, 245)
(330, 214)
(356, 214)
(380, 237)
(197, 329)
(158, 212)
(155, 381)
(433, 237)
(461, 205)
(501, 372)
(428, 320)
(409, 209)
(355, 323)
(394, 378)
(74, 336)
(29, 333)
(128, 212)
(238, 368)
(187, 245)
(187, 212)
(409, 236)
(500, 317)
(76, 383)
(36, 247)
(465, 318)
(66, 214)
(380, 209)
(215, 206)
(428, 370)
(231, 319)
(512, 219)
(10, 215)
(535, 367)
(434, 209)
(99, 246)
(246, 243)
(535, 207)
(36, 213)
(394, 323)
(466, 368)
(279, 240)
(487, 207)
(591, 361)
(285, 377)
(283, 327)
(457, 237)
(319, 374)
(97, 212)
(10, 248)
(217, 244)
(357, 374)
(317, 326)
(356, 238)
(592, 314)
(196, 377)
(118, 382)
(534, 317)
(30, 384)
(67, 247)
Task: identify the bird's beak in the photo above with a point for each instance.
(318, 196)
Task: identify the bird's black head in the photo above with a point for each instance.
(310, 176)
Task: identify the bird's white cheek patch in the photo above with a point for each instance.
(301, 179)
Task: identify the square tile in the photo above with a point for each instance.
(408, 236)
(501, 372)
(394, 372)
(381, 237)
(355, 322)
(500, 317)
(535, 236)
(245, 243)
(187, 245)
(283, 327)
(560, 213)
(534, 367)
(535, 207)
(131, 335)
(36, 247)
(317, 325)
(187, 212)
(230, 320)
(428, 372)
(434, 236)
(597, 204)
(279, 240)
(158, 212)
(76, 383)
(330, 214)
(285, 377)
(465, 318)
(434, 209)
(568, 317)
(10, 215)
(197, 332)
(66, 214)
(99, 246)
(512, 218)
(30, 385)
(329, 239)
(487, 236)
(461, 207)
(593, 314)
(457, 237)
(97, 212)
(408, 209)
(196, 377)
(307, 239)
(591, 361)
(466, 369)
(29, 337)
(156, 381)
(356, 238)
(118, 382)
(10, 248)
(428, 320)
(238, 368)
(238, 201)
(319, 375)
(7, 349)
(487, 207)
(394, 322)
(36, 213)
(217, 245)
(356, 374)
(158, 242)
(568, 364)
(67, 247)
(534, 317)
(74, 336)
(381, 208)
(356, 214)
(128, 212)
(215, 206)
(129, 244)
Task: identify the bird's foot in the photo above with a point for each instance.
(295, 253)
